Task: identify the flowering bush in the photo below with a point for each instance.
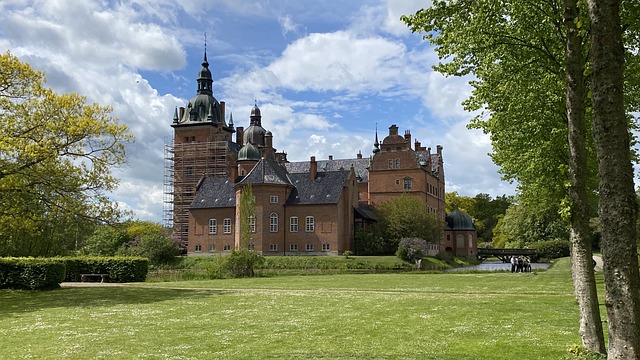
(411, 249)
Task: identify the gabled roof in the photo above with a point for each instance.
(361, 167)
(266, 172)
(324, 189)
(214, 192)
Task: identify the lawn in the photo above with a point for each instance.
(367, 316)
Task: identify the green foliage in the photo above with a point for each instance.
(30, 273)
(247, 214)
(56, 157)
(242, 263)
(578, 352)
(120, 269)
(346, 253)
(484, 210)
(406, 216)
(368, 242)
(552, 249)
(412, 249)
(523, 224)
(106, 240)
(158, 248)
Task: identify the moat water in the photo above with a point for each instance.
(496, 265)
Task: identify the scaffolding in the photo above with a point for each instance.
(185, 165)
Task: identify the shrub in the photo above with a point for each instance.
(30, 273)
(552, 249)
(412, 249)
(119, 269)
(159, 249)
(242, 262)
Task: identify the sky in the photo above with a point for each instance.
(325, 74)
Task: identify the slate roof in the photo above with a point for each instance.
(421, 157)
(324, 189)
(214, 192)
(266, 172)
(361, 167)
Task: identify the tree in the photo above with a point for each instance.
(617, 205)
(455, 201)
(523, 225)
(243, 260)
(56, 157)
(106, 240)
(526, 57)
(406, 217)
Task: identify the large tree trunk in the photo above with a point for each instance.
(617, 206)
(584, 281)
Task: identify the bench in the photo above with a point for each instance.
(87, 277)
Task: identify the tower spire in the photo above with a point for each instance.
(376, 144)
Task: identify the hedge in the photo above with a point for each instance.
(551, 249)
(30, 273)
(119, 268)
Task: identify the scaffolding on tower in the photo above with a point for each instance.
(185, 164)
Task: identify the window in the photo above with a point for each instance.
(252, 223)
(470, 241)
(293, 224)
(189, 170)
(293, 247)
(325, 247)
(251, 247)
(309, 224)
(397, 163)
(213, 226)
(226, 226)
(360, 195)
(273, 247)
(189, 191)
(227, 247)
(273, 199)
(273, 222)
(390, 164)
(407, 183)
(212, 248)
(460, 241)
(309, 247)
(198, 248)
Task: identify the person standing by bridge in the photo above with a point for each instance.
(514, 263)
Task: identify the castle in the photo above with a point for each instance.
(301, 208)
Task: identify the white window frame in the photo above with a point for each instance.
(293, 224)
(212, 248)
(252, 223)
(293, 247)
(213, 226)
(273, 247)
(326, 247)
(198, 248)
(407, 183)
(309, 222)
(273, 199)
(273, 223)
(308, 247)
(227, 247)
(226, 226)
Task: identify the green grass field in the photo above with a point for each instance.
(368, 316)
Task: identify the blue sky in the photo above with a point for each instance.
(324, 73)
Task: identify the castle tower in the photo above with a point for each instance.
(202, 146)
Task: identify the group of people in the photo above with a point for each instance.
(520, 264)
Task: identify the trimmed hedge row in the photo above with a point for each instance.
(119, 268)
(30, 273)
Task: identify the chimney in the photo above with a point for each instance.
(407, 137)
(330, 157)
(393, 130)
(268, 140)
(240, 135)
(233, 173)
(222, 109)
(439, 147)
(313, 168)
(417, 145)
(359, 156)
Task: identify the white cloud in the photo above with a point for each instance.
(288, 25)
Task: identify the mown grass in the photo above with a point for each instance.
(369, 316)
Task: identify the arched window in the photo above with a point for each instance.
(460, 241)
(273, 221)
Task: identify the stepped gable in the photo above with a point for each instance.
(266, 172)
(214, 192)
(360, 166)
(324, 189)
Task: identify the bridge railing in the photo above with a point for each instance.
(505, 254)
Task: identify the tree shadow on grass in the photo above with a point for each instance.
(15, 302)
